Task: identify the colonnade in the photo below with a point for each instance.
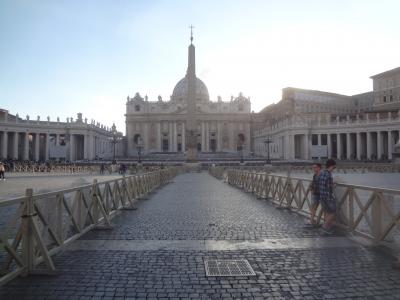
(39, 146)
(170, 136)
(348, 145)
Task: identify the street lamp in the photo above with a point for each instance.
(267, 142)
(114, 141)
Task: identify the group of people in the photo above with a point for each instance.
(322, 194)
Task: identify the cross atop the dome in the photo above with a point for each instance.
(191, 33)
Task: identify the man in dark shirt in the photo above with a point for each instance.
(314, 193)
(327, 197)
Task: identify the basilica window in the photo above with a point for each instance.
(137, 107)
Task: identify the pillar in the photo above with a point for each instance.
(26, 146)
(369, 144)
(4, 145)
(390, 147)
(348, 145)
(37, 147)
(338, 146)
(15, 146)
(146, 137)
(379, 145)
(219, 137)
(307, 147)
(232, 141)
(358, 141)
(158, 136)
(329, 142)
(183, 139)
(71, 147)
(47, 146)
(203, 137)
(86, 146)
(171, 139)
(175, 131)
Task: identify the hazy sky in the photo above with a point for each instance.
(58, 58)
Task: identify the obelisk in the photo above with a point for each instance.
(191, 124)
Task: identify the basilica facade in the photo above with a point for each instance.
(164, 126)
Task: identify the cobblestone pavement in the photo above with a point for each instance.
(198, 207)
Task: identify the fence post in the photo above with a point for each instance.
(376, 217)
(27, 232)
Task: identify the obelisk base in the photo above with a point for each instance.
(191, 155)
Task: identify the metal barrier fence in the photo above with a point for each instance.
(369, 211)
(37, 168)
(38, 226)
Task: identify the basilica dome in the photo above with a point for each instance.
(181, 90)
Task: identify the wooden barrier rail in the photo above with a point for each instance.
(43, 224)
(369, 211)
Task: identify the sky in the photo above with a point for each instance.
(59, 58)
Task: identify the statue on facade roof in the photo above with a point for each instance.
(159, 98)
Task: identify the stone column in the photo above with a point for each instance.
(379, 144)
(319, 139)
(208, 136)
(358, 141)
(71, 147)
(203, 137)
(158, 136)
(232, 140)
(171, 138)
(15, 146)
(26, 146)
(146, 137)
(47, 146)
(348, 145)
(338, 146)
(4, 145)
(306, 146)
(390, 145)
(329, 142)
(219, 136)
(183, 139)
(37, 146)
(175, 131)
(86, 146)
(90, 147)
(369, 144)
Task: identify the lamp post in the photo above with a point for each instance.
(267, 142)
(114, 141)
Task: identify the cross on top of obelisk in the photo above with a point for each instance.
(191, 33)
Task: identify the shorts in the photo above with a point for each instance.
(315, 200)
(329, 206)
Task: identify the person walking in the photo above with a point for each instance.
(327, 197)
(2, 171)
(315, 197)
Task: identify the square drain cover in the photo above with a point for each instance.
(233, 267)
